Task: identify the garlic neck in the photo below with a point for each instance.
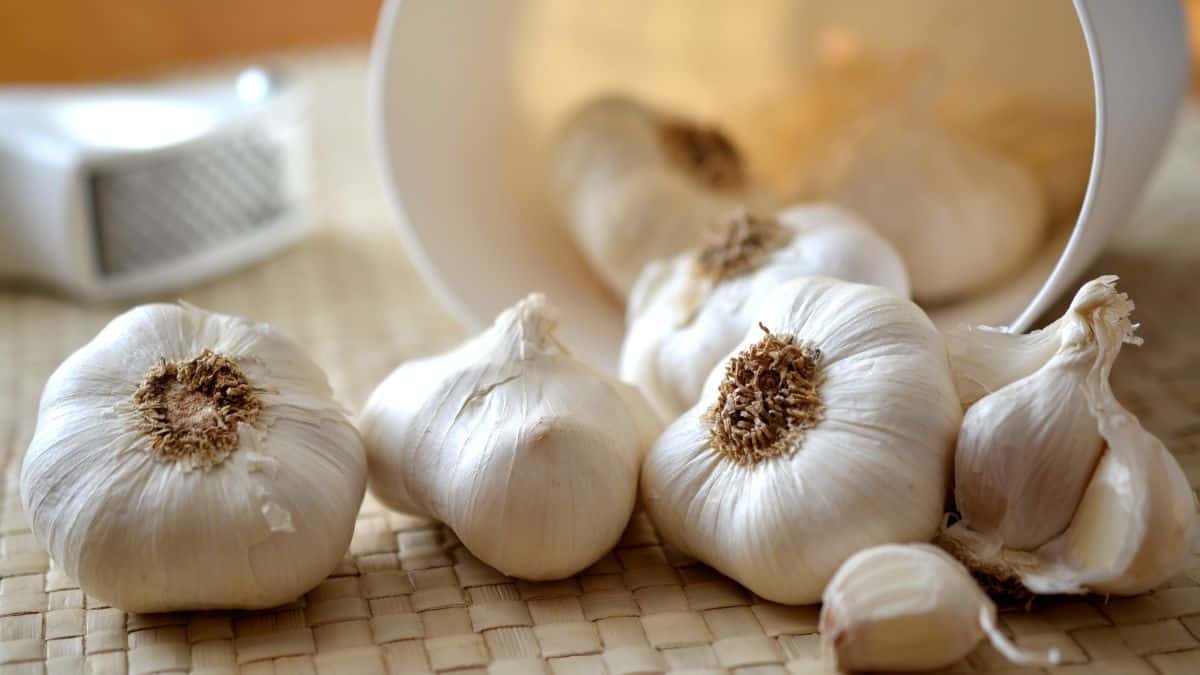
(704, 153)
(191, 409)
(531, 323)
(739, 245)
(767, 400)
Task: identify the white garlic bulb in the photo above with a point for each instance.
(1058, 485)
(530, 455)
(634, 184)
(910, 608)
(686, 313)
(188, 460)
(826, 435)
(961, 216)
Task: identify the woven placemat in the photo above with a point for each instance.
(408, 598)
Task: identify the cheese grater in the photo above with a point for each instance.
(109, 193)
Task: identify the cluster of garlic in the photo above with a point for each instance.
(530, 455)
(1058, 485)
(635, 184)
(188, 460)
(688, 312)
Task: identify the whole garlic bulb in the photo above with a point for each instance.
(826, 435)
(1058, 485)
(634, 184)
(528, 454)
(910, 608)
(188, 460)
(686, 313)
(961, 216)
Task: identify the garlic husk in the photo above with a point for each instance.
(253, 519)
(528, 454)
(860, 426)
(1059, 485)
(910, 608)
(634, 184)
(687, 313)
(962, 216)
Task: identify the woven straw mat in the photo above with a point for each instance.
(408, 598)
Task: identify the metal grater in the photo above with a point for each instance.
(180, 199)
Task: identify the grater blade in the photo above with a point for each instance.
(164, 209)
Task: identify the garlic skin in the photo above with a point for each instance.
(910, 608)
(634, 184)
(185, 460)
(961, 216)
(530, 455)
(688, 312)
(829, 434)
(1058, 485)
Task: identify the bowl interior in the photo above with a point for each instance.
(468, 102)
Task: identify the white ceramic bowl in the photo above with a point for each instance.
(459, 125)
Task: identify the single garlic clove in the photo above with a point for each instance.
(910, 608)
(688, 312)
(528, 454)
(634, 184)
(961, 216)
(828, 434)
(189, 460)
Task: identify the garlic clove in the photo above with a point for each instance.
(530, 456)
(910, 608)
(827, 435)
(690, 311)
(961, 216)
(634, 184)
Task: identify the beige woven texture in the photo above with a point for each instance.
(408, 598)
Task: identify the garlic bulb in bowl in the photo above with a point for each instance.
(686, 313)
(634, 184)
(1059, 486)
(828, 430)
(528, 454)
(962, 216)
(189, 460)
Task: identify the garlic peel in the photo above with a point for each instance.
(910, 608)
(248, 508)
(686, 313)
(815, 480)
(528, 454)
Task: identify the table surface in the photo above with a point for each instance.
(409, 598)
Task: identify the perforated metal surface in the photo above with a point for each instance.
(156, 211)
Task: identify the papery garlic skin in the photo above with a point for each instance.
(866, 463)
(961, 216)
(528, 454)
(1058, 484)
(252, 523)
(634, 184)
(683, 317)
(909, 608)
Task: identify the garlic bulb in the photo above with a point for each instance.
(188, 460)
(961, 216)
(634, 184)
(1058, 485)
(688, 312)
(528, 454)
(910, 608)
(826, 431)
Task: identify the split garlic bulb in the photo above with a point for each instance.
(1058, 485)
(826, 431)
(634, 184)
(961, 216)
(910, 608)
(530, 455)
(688, 312)
(188, 460)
